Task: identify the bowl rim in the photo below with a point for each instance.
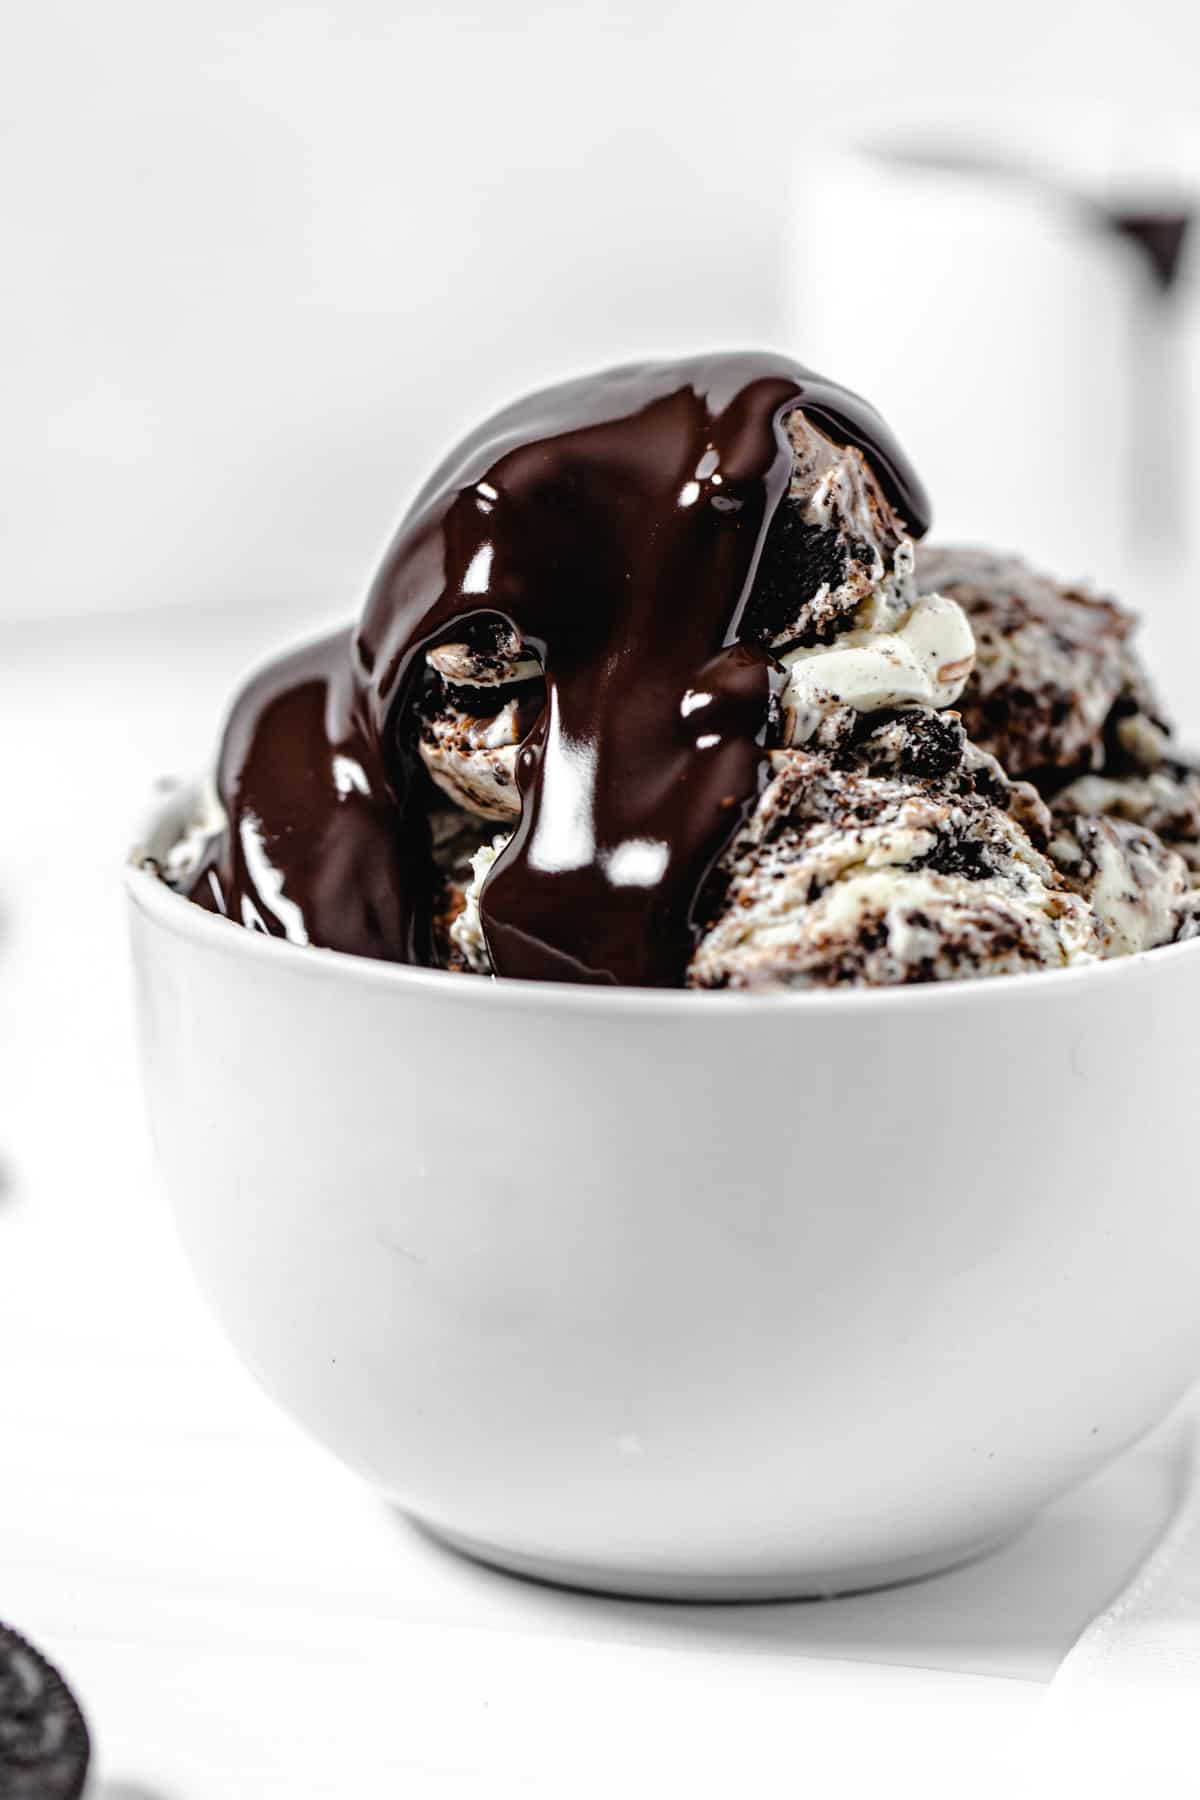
(150, 895)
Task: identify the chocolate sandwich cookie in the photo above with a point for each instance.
(44, 1745)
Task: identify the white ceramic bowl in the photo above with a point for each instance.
(694, 1295)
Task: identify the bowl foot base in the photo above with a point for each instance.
(708, 1586)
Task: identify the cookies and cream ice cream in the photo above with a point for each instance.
(654, 687)
(895, 859)
(1057, 686)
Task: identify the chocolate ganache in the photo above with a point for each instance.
(615, 524)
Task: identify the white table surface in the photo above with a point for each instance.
(238, 1615)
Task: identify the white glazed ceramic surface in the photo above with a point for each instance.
(697, 1295)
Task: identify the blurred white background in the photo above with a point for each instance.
(264, 262)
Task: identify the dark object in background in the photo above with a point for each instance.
(1153, 203)
(44, 1744)
(1160, 236)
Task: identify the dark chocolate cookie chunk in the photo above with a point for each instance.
(44, 1746)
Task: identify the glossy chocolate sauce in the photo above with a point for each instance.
(317, 849)
(616, 523)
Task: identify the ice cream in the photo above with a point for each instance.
(1139, 890)
(653, 688)
(897, 859)
(1057, 686)
(1164, 799)
(1059, 694)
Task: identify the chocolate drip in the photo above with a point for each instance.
(317, 849)
(616, 523)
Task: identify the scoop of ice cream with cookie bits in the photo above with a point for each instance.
(969, 774)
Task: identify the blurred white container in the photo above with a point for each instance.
(993, 322)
